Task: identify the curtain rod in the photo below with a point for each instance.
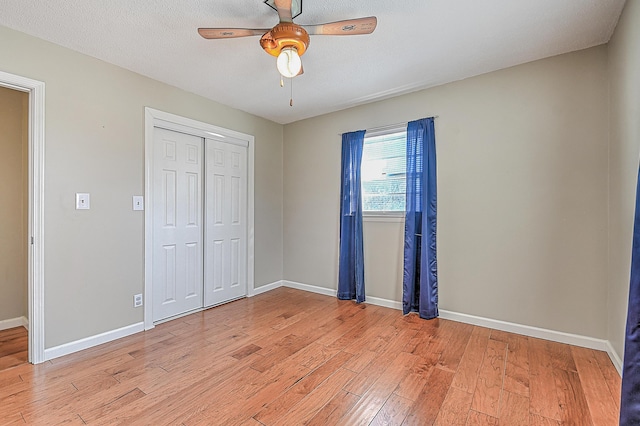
(388, 126)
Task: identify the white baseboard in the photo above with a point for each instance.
(310, 288)
(14, 322)
(331, 292)
(264, 288)
(525, 330)
(541, 333)
(89, 342)
(384, 302)
(615, 358)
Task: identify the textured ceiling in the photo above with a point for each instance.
(417, 44)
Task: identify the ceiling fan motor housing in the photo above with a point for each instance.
(285, 34)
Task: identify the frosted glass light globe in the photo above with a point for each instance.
(289, 63)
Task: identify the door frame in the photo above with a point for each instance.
(166, 120)
(36, 150)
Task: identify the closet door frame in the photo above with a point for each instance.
(156, 118)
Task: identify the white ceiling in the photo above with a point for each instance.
(417, 44)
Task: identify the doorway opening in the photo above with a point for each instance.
(14, 193)
(31, 233)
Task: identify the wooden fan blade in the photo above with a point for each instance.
(215, 33)
(348, 27)
(284, 10)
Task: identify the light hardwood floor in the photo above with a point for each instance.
(290, 357)
(13, 347)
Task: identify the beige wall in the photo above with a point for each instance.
(522, 214)
(25, 203)
(94, 260)
(13, 268)
(624, 82)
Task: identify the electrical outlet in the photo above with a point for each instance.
(137, 300)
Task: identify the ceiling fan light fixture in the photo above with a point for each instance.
(288, 62)
(288, 41)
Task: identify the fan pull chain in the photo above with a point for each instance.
(291, 88)
(291, 99)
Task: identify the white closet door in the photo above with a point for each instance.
(225, 253)
(177, 223)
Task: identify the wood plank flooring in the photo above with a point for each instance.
(14, 347)
(289, 357)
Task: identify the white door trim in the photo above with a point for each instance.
(156, 118)
(35, 89)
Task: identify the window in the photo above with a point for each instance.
(384, 166)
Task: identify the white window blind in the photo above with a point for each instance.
(383, 169)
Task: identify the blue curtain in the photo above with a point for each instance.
(630, 404)
(351, 273)
(420, 276)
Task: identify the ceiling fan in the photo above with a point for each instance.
(287, 40)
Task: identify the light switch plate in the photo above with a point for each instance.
(83, 201)
(138, 202)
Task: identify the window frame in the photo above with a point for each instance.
(384, 215)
